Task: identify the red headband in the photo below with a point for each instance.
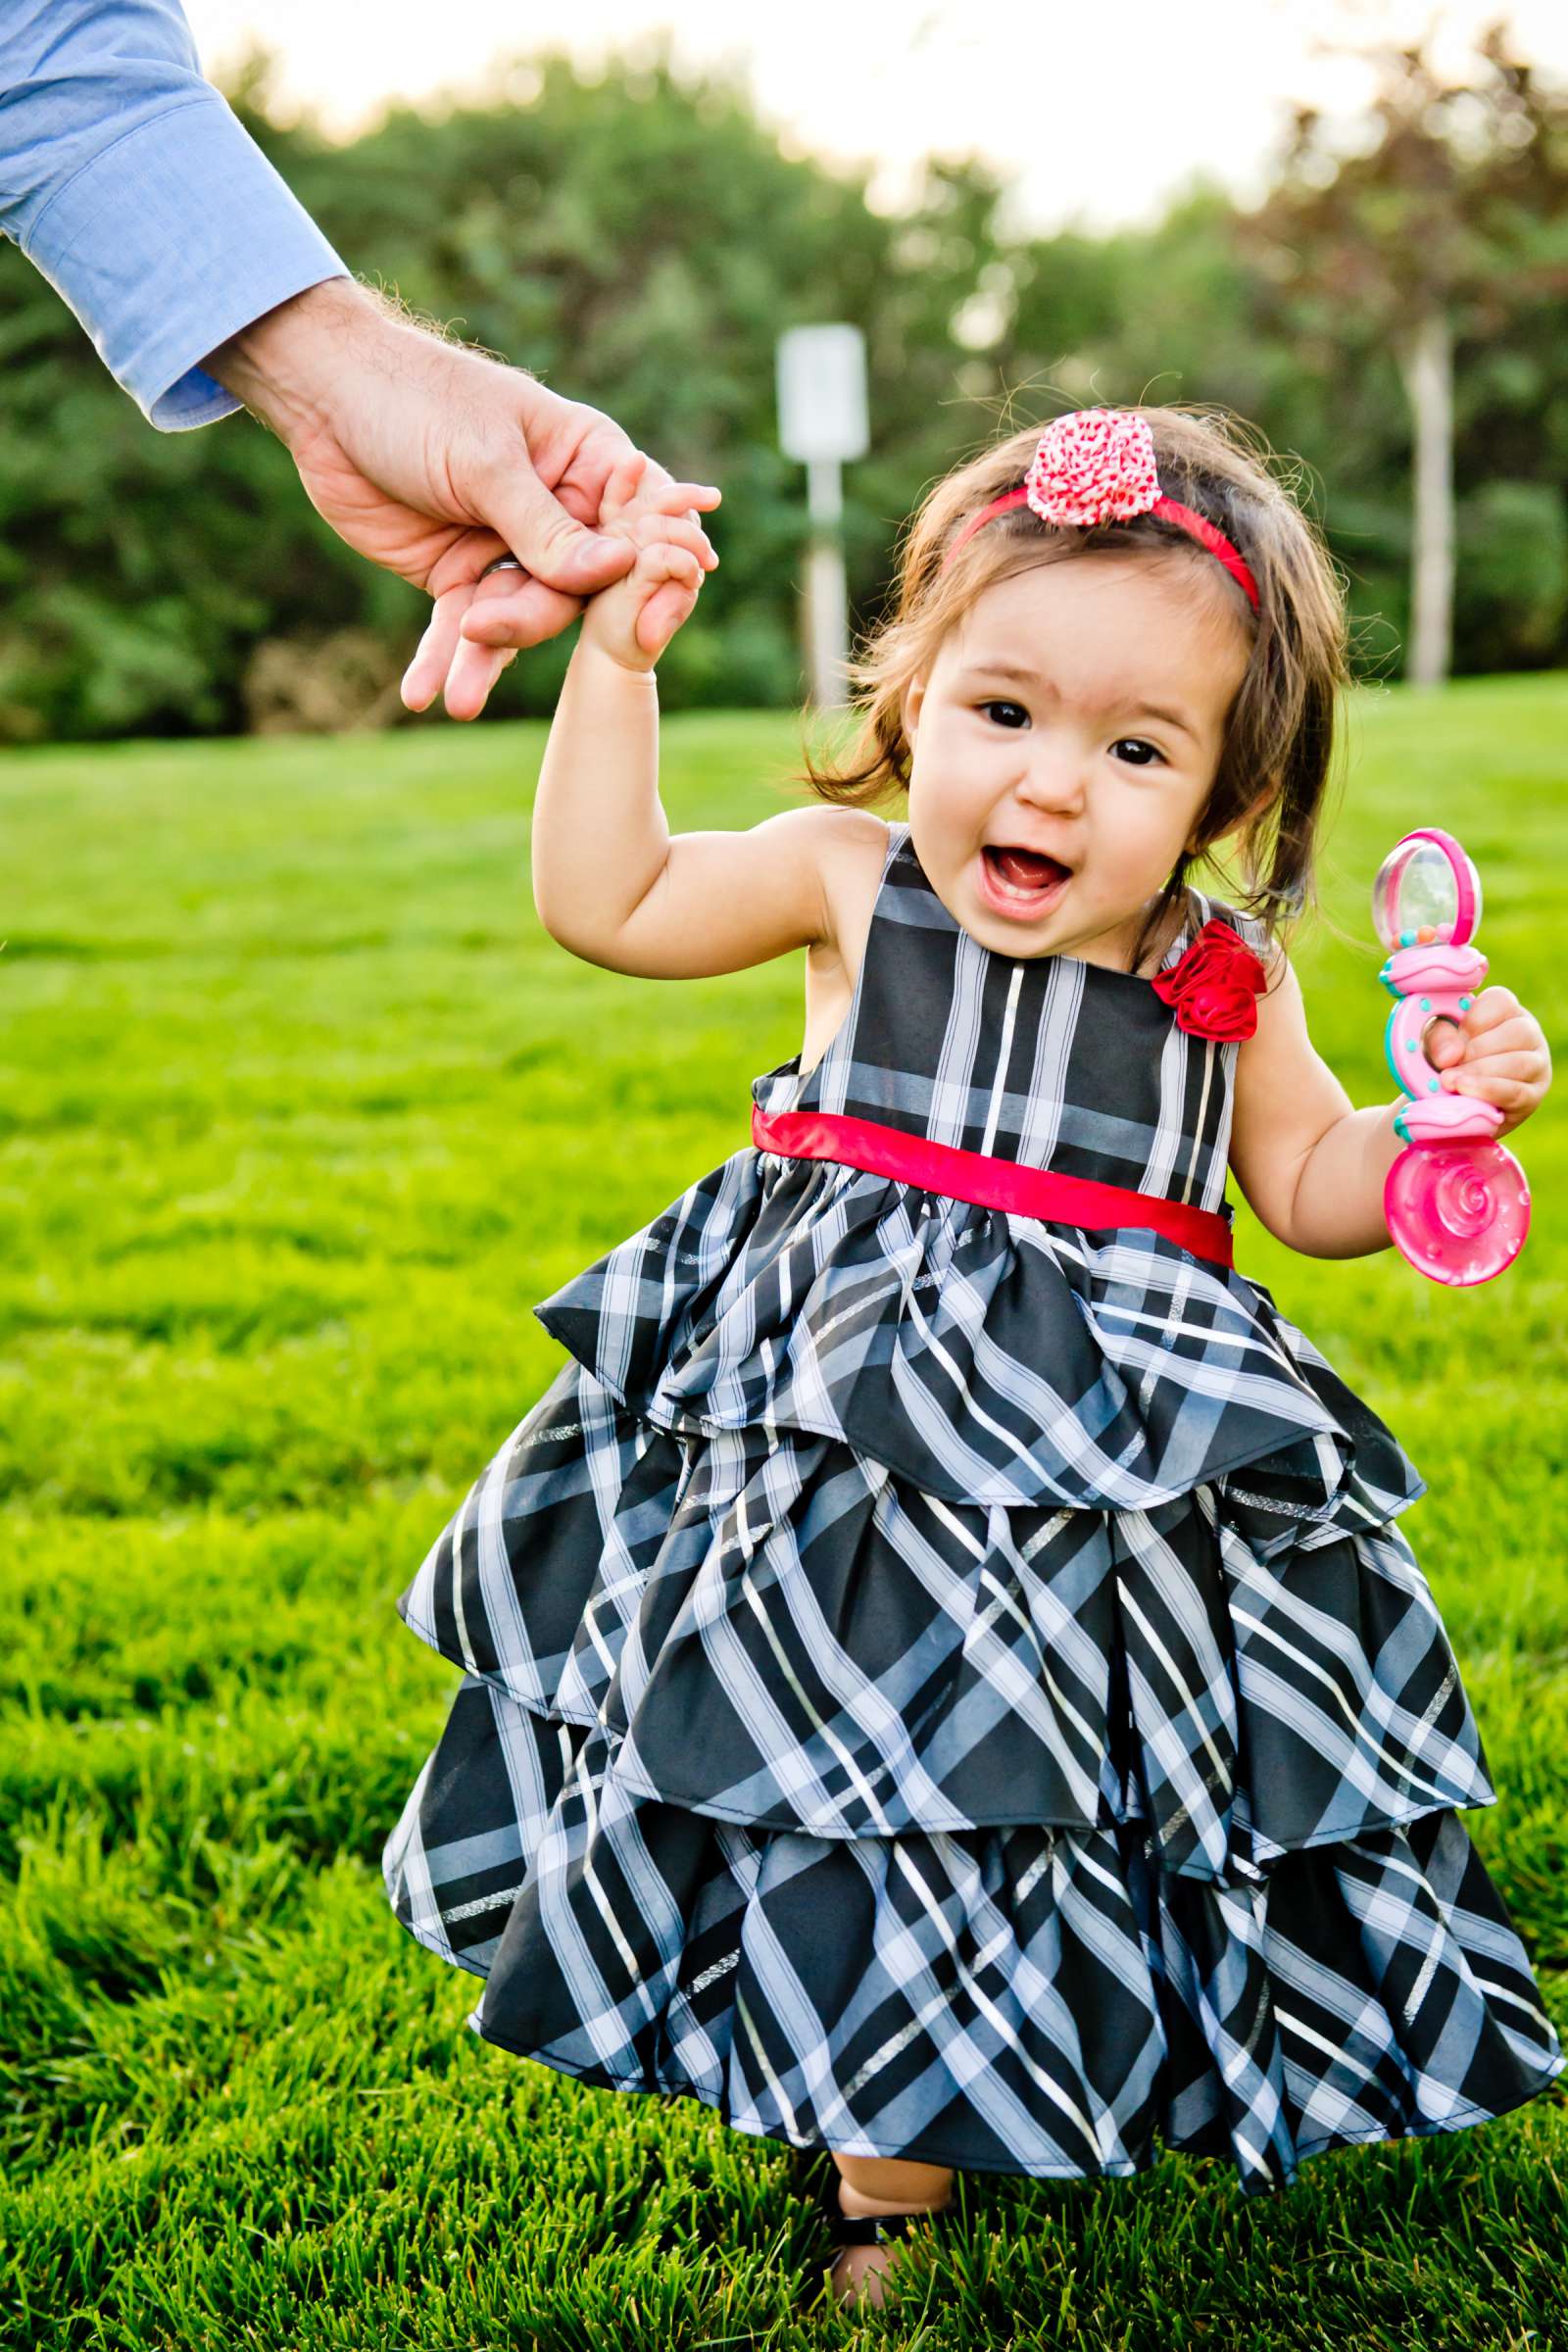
(1097, 465)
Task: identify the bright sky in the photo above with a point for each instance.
(1096, 112)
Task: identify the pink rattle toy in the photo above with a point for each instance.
(1456, 1201)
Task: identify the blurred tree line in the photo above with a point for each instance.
(639, 239)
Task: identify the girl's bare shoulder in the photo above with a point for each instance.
(853, 852)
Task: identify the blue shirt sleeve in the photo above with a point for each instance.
(126, 180)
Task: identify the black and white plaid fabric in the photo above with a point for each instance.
(945, 1685)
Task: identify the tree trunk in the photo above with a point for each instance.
(1426, 364)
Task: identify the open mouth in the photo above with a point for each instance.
(1020, 879)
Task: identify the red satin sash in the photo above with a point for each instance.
(989, 1183)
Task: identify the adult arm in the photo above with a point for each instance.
(128, 183)
(205, 286)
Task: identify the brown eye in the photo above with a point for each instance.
(1017, 717)
(1134, 751)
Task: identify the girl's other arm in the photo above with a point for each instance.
(1312, 1165)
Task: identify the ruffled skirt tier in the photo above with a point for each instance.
(1006, 1835)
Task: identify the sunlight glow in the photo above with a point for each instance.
(1084, 131)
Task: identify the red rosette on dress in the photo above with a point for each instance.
(1215, 985)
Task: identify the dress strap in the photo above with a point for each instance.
(828, 1080)
(1250, 928)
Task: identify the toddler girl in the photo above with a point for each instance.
(945, 1681)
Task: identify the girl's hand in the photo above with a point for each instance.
(635, 619)
(1497, 1050)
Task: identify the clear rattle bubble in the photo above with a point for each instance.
(1427, 893)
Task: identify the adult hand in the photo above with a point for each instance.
(432, 460)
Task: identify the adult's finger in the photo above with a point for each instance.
(474, 670)
(432, 655)
(510, 609)
(551, 544)
(514, 611)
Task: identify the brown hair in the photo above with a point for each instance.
(1279, 732)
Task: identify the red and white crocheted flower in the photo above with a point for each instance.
(1215, 985)
(1094, 465)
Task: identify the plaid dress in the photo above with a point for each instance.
(944, 1684)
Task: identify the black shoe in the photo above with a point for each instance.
(867, 2228)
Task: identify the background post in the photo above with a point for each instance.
(822, 422)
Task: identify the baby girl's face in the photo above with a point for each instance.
(1075, 717)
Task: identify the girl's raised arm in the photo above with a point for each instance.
(609, 882)
(615, 886)
(619, 890)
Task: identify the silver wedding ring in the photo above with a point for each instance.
(501, 564)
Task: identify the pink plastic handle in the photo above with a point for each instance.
(1455, 1200)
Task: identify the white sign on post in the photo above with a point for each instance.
(822, 420)
(821, 394)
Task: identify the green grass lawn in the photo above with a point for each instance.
(300, 1112)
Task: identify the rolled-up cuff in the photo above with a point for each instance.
(171, 241)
